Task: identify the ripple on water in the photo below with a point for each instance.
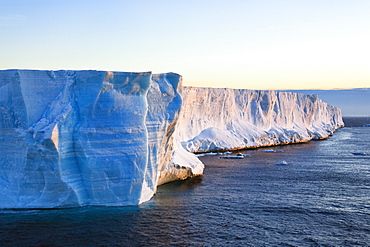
(321, 198)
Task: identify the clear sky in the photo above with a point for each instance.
(255, 44)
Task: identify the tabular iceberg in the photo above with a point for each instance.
(76, 138)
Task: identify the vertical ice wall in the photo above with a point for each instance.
(72, 138)
(31, 104)
(168, 160)
(103, 138)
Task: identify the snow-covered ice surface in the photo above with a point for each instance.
(225, 119)
(75, 138)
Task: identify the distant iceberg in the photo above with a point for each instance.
(76, 138)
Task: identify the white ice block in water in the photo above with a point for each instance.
(75, 138)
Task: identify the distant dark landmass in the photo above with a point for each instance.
(352, 102)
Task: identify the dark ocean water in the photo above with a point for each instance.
(321, 198)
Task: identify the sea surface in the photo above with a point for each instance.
(320, 198)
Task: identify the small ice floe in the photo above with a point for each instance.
(245, 155)
(282, 163)
(211, 154)
(268, 151)
(206, 154)
(238, 156)
(359, 153)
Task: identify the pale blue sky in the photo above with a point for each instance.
(266, 44)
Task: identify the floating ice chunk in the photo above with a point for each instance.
(282, 163)
(232, 157)
(359, 153)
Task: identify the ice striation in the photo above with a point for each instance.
(77, 138)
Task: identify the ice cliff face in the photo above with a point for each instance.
(75, 138)
(224, 119)
(168, 161)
